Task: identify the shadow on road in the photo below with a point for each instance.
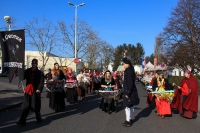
(144, 113)
(80, 107)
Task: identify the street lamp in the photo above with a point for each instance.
(75, 30)
(107, 60)
(7, 19)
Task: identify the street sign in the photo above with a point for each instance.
(76, 60)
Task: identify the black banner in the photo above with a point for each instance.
(13, 49)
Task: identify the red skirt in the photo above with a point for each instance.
(184, 112)
(163, 107)
(149, 98)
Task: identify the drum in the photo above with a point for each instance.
(109, 94)
(55, 86)
(71, 85)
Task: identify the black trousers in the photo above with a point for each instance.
(25, 112)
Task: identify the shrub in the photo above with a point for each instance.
(177, 79)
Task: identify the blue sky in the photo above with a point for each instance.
(117, 21)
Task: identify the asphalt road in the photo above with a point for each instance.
(86, 117)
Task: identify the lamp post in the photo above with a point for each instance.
(7, 19)
(75, 30)
(107, 60)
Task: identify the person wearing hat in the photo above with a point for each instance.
(130, 91)
(186, 96)
(32, 93)
(162, 104)
(107, 83)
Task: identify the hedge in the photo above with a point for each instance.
(177, 79)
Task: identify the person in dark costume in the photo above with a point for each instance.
(150, 98)
(57, 96)
(130, 91)
(48, 76)
(95, 81)
(107, 83)
(32, 93)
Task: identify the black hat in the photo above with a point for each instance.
(126, 61)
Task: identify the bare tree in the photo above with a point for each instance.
(90, 47)
(93, 50)
(43, 36)
(107, 54)
(158, 50)
(181, 36)
(98, 53)
(83, 36)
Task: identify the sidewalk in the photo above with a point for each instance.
(10, 95)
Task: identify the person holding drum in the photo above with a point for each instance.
(57, 94)
(107, 83)
(82, 85)
(71, 86)
(162, 102)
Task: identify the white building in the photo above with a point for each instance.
(65, 62)
(177, 72)
(110, 66)
(138, 69)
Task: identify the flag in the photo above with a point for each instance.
(13, 49)
(143, 62)
(155, 63)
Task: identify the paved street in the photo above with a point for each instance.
(10, 94)
(86, 117)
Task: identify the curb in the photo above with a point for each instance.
(11, 107)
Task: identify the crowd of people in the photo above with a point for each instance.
(64, 84)
(73, 87)
(182, 97)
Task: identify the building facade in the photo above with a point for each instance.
(64, 62)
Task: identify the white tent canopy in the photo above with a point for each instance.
(120, 68)
(161, 67)
(149, 67)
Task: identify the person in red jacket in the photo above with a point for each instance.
(186, 96)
